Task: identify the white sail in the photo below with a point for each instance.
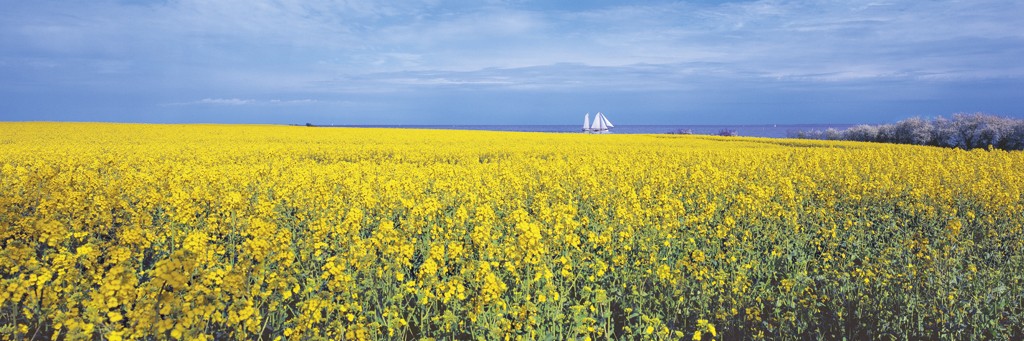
(606, 121)
(602, 122)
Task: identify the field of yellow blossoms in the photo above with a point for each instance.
(125, 231)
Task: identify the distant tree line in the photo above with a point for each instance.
(965, 131)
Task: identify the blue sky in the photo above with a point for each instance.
(509, 62)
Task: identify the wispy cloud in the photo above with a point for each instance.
(244, 101)
(260, 52)
(353, 37)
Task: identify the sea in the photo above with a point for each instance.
(763, 130)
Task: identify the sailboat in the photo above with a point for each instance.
(600, 125)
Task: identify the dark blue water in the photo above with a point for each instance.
(769, 130)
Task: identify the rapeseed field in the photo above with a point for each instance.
(199, 232)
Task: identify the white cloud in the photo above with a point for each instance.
(244, 101)
(264, 37)
(335, 50)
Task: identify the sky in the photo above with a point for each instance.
(354, 62)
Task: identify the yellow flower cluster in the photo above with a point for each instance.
(125, 231)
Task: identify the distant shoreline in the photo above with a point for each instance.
(750, 130)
